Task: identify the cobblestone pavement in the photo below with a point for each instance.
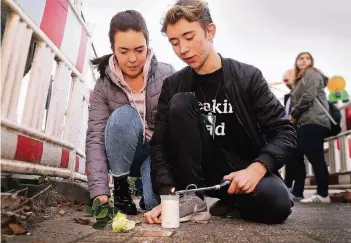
(308, 223)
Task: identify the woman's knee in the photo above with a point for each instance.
(124, 116)
(124, 124)
(123, 134)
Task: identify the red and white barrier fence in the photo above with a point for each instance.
(37, 136)
(337, 156)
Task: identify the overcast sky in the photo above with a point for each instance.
(268, 34)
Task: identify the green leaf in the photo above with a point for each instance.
(100, 224)
(102, 214)
(108, 207)
(88, 211)
(96, 203)
(97, 211)
(103, 206)
(111, 212)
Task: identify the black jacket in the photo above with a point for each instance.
(258, 110)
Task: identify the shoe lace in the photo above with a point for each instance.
(186, 198)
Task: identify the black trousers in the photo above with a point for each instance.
(310, 143)
(290, 171)
(291, 168)
(199, 161)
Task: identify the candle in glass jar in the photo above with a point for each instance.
(170, 211)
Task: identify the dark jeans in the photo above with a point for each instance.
(200, 161)
(310, 143)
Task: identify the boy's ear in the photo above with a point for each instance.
(211, 31)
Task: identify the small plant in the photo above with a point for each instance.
(105, 215)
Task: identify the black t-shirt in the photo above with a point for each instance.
(227, 132)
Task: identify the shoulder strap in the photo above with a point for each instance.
(326, 112)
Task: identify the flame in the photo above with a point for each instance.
(173, 190)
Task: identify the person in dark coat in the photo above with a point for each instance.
(217, 119)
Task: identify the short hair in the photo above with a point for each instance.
(190, 10)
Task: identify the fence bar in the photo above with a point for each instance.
(7, 46)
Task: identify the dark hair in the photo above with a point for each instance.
(190, 10)
(298, 72)
(122, 21)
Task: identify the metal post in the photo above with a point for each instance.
(343, 166)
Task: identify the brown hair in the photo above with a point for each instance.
(190, 10)
(122, 21)
(300, 72)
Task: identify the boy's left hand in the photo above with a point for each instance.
(245, 181)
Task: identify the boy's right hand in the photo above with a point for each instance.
(152, 217)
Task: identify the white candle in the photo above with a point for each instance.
(170, 211)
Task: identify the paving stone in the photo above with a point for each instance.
(307, 223)
(329, 235)
(106, 236)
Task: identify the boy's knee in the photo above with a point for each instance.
(278, 212)
(181, 102)
(274, 196)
